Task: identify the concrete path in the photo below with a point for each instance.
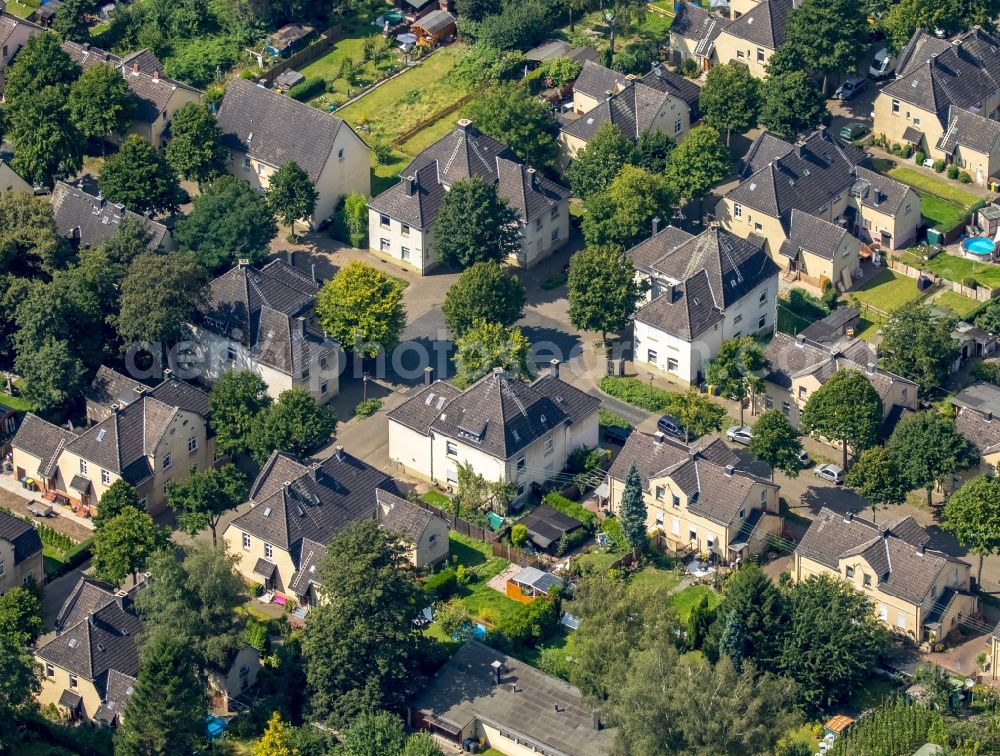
(15, 497)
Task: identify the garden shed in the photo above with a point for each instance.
(546, 526)
(434, 27)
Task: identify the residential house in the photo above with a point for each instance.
(109, 391)
(594, 85)
(506, 429)
(917, 592)
(87, 220)
(702, 290)
(817, 251)
(500, 702)
(161, 437)
(262, 320)
(693, 33)
(753, 36)
(700, 498)
(659, 101)
(799, 366)
(982, 431)
(157, 98)
(401, 219)
(945, 100)
(236, 677)
(11, 181)
(825, 177)
(547, 527)
(292, 503)
(14, 32)
(529, 583)
(20, 553)
(265, 129)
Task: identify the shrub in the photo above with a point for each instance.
(939, 165)
(518, 534)
(952, 171)
(636, 392)
(607, 418)
(970, 282)
(582, 459)
(987, 371)
(368, 408)
(896, 150)
(531, 624)
(920, 157)
(689, 67)
(636, 58)
(571, 509)
(560, 71)
(255, 635)
(905, 151)
(442, 584)
(612, 528)
(308, 89)
(964, 177)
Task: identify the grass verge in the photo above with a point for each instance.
(887, 291)
(683, 602)
(960, 306)
(929, 184)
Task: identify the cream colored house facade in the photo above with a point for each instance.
(20, 554)
(756, 30)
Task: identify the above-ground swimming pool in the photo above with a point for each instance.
(979, 247)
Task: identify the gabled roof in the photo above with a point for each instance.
(815, 234)
(645, 254)
(462, 154)
(526, 191)
(111, 387)
(980, 429)
(574, 403)
(275, 129)
(633, 110)
(21, 535)
(699, 24)
(398, 515)
(9, 24)
(969, 130)
(900, 561)
(311, 554)
(119, 690)
(686, 310)
(878, 192)
(415, 200)
(764, 24)
(43, 440)
(920, 48)
(88, 596)
(674, 85)
(178, 393)
(766, 148)
(292, 501)
(546, 525)
(89, 219)
(435, 21)
(421, 410)
(596, 81)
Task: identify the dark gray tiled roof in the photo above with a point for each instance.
(687, 310)
(879, 192)
(111, 387)
(87, 596)
(177, 393)
(119, 690)
(547, 525)
(815, 234)
(311, 554)
(764, 25)
(275, 129)
(462, 154)
(645, 254)
(70, 700)
(22, 535)
(808, 177)
(831, 328)
(982, 431)
(596, 81)
(633, 110)
(968, 130)
(422, 409)
(42, 439)
(527, 191)
(92, 220)
(545, 712)
(318, 501)
(766, 148)
(264, 568)
(415, 200)
(676, 85)
(435, 21)
(401, 516)
(912, 135)
(145, 59)
(697, 23)
(920, 48)
(899, 566)
(576, 404)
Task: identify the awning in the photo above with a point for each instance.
(80, 484)
(912, 135)
(570, 621)
(70, 700)
(265, 568)
(602, 491)
(789, 249)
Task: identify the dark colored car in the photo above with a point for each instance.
(617, 434)
(671, 427)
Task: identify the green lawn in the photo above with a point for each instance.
(939, 187)
(22, 8)
(873, 693)
(887, 291)
(356, 32)
(16, 402)
(437, 499)
(962, 307)
(684, 601)
(479, 557)
(654, 578)
(941, 214)
(385, 113)
(597, 561)
(956, 268)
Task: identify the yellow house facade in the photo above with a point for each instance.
(20, 553)
(756, 31)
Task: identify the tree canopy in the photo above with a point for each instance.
(847, 409)
(596, 165)
(195, 150)
(878, 477)
(828, 36)
(730, 100)
(362, 309)
(737, 371)
(237, 398)
(792, 103)
(972, 515)
(124, 544)
(296, 424)
(776, 442)
(475, 224)
(30, 244)
(603, 291)
(100, 102)
(138, 177)
(697, 414)
(158, 296)
(21, 614)
(919, 345)
(699, 163)
(622, 215)
(509, 113)
(929, 449)
(485, 346)
(20, 682)
(291, 194)
(114, 500)
(201, 499)
(47, 143)
(483, 292)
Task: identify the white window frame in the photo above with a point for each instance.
(246, 541)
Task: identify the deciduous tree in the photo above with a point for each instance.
(513, 116)
(730, 99)
(483, 292)
(69, 22)
(295, 424)
(195, 150)
(632, 510)
(652, 151)
(374, 734)
(114, 500)
(919, 345)
(362, 309)
(596, 165)
(475, 224)
(792, 103)
(138, 177)
(291, 195)
(30, 245)
(41, 62)
(46, 141)
(972, 515)
(237, 398)
(877, 477)
(200, 500)
(846, 409)
(697, 414)
(124, 544)
(485, 346)
(737, 371)
(276, 740)
(21, 614)
(158, 296)
(829, 36)
(699, 163)
(53, 375)
(603, 291)
(20, 682)
(776, 442)
(929, 449)
(101, 103)
(623, 214)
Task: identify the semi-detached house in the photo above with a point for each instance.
(20, 553)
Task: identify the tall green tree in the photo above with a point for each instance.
(291, 195)
(652, 151)
(829, 36)
(20, 682)
(603, 291)
(21, 614)
(750, 596)
(41, 62)
(776, 442)
(130, 239)
(53, 375)
(904, 17)
(513, 116)
(69, 21)
(792, 103)
(972, 515)
(832, 641)
(114, 500)
(730, 100)
(46, 141)
(483, 292)
(203, 497)
(101, 103)
(229, 221)
(374, 734)
(485, 346)
(878, 477)
(596, 165)
(737, 371)
(698, 624)
(699, 163)
(361, 647)
(632, 510)
(475, 224)
(846, 409)
(124, 545)
(929, 450)
(362, 309)
(697, 414)
(623, 214)
(30, 244)
(158, 296)
(138, 177)
(919, 345)
(195, 150)
(237, 399)
(296, 424)
(165, 714)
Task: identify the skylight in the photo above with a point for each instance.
(72, 642)
(101, 434)
(429, 399)
(267, 511)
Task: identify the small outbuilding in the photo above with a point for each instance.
(434, 27)
(546, 526)
(288, 39)
(531, 583)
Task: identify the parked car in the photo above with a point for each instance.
(853, 130)
(883, 65)
(804, 459)
(617, 434)
(740, 434)
(832, 473)
(671, 427)
(851, 86)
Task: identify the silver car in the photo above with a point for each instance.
(740, 434)
(832, 473)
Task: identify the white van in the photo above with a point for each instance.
(882, 65)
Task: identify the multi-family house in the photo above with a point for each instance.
(693, 33)
(157, 97)
(297, 507)
(659, 101)
(817, 250)
(798, 366)
(14, 32)
(827, 178)
(754, 34)
(11, 180)
(504, 428)
(161, 437)
(262, 320)
(265, 129)
(702, 290)
(20, 553)
(977, 418)
(86, 220)
(401, 219)
(945, 100)
(699, 498)
(916, 591)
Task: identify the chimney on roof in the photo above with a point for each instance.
(156, 75)
(921, 549)
(595, 720)
(554, 368)
(659, 437)
(300, 327)
(85, 46)
(412, 185)
(314, 470)
(168, 374)
(730, 469)
(287, 486)
(799, 339)
(464, 124)
(849, 515)
(988, 416)
(656, 225)
(496, 669)
(607, 94)
(428, 375)
(135, 69)
(883, 531)
(657, 68)
(533, 177)
(290, 258)
(871, 367)
(498, 371)
(338, 452)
